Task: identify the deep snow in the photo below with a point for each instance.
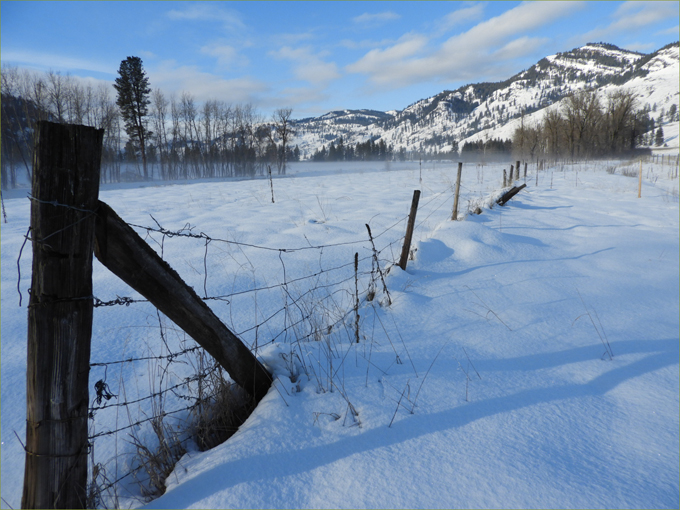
(549, 420)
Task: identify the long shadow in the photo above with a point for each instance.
(521, 205)
(573, 227)
(279, 465)
(576, 355)
(433, 276)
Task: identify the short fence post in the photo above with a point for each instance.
(65, 192)
(640, 181)
(505, 179)
(517, 171)
(409, 230)
(454, 216)
(525, 171)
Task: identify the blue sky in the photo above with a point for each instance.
(315, 57)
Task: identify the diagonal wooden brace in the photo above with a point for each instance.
(125, 254)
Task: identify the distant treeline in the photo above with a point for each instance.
(366, 151)
(186, 140)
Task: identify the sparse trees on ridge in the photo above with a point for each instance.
(585, 125)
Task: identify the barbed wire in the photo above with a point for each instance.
(328, 287)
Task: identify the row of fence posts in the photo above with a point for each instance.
(403, 260)
(66, 176)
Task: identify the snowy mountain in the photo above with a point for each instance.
(490, 110)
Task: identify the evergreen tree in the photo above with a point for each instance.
(659, 137)
(133, 100)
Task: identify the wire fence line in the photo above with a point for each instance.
(311, 304)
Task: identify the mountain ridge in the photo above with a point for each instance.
(452, 117)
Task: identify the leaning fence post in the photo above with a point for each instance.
(65, 192)
(409, 230)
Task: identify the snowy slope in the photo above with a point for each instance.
(492, 110)
(488, 341)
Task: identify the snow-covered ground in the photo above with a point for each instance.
(485, 383)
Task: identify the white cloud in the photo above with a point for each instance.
(174, 78)
(460, 16)
(308, 66)
(376, 19)
(364, 44)
(478, 53)
(631, 17)
(520, 47)
(200, 11)
(377, 62)
(226, 55)
(641, 47)
(47, 61)
(671, 31)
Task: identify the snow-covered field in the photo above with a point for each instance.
(485, 383)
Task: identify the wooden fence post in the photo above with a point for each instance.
(512, 172)
(454, 216)
(505, 179)
(65, 192)
(409, 230)
(517, 171)
(640, 181)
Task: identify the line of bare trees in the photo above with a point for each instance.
(189, 140)
(28, 97)
(587, 124)
(215, 139)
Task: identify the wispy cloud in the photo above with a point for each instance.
(47, 61)
(481, 52)
(174, 78)
(200, 11)
(376, 19)
(631, 17)
(307, 65)
(227, 56)
(364, 44)
(461, 16)
(671, 31)
(289, 39)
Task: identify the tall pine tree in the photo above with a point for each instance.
(133, 99)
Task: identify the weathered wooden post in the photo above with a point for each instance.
(512, 172)
(454, 215)
(517, 171)
(505, 178)
(525, 171)
(640, 181)
(65, 191)
(403, 260)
